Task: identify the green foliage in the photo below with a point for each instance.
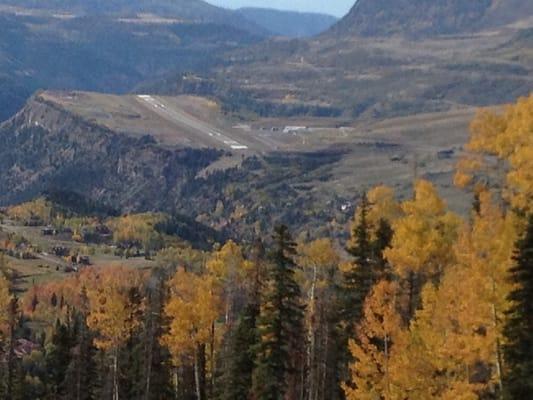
(280, 323)
(58, 358)
(237, 377)
(518, 331)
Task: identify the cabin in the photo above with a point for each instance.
(83, 260)
(48, 231)
(445, 154)
(60, 251)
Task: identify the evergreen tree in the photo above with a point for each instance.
(57, 359)
(280, 325)
(359, 279)
(156, 373)
(131, 385)
(237, 378)
(367, 268)
(382, 241)
(519, 327)
(11, 388)
(81, 375)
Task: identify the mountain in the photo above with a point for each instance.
(288, 23)
(102, 53)
(384, 59)
(185, 10)
(429, 17)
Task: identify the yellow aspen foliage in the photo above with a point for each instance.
(5, 301)
(192, 309)
(185, 257)
(507, 136)
(484, 252)
(228, 265)
(231, 272)
(374, 345)
(424, 235)
(39, 208)
(137, 228)
(319, 263)
(318, 259)
(427, 365)
(383, 205)
(466, 169)
(452, 347)
(111, 310)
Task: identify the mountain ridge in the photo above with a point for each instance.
(416, 18)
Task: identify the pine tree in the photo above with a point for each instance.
(519, 327)
(280, 325)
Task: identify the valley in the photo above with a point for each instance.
(270, 164)
(199, 203)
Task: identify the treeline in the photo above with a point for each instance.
(420, 304)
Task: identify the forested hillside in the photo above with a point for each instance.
(182, 10)
(419, 303)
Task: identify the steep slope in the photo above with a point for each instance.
(100, 53)
(44, 147)
(287, 23)
(429, 17)
(507, 12)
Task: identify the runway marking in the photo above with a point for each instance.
(183, 118)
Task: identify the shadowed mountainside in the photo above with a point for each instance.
(287, 23)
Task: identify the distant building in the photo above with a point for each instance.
(48, 231)
(445, 154)
(292, 129)
(346, 207)
(83, 260)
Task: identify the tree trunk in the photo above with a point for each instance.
(115, 375)
(199, 372)
(311, 339)
(387, 379)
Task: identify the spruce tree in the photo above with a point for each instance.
(156, 372)
(237, 379)
(367, 268)
(10, 387)
(359, 279)
(131, 382)
(280, 326)
(81, 376)
(58, 356)
(518, 330)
